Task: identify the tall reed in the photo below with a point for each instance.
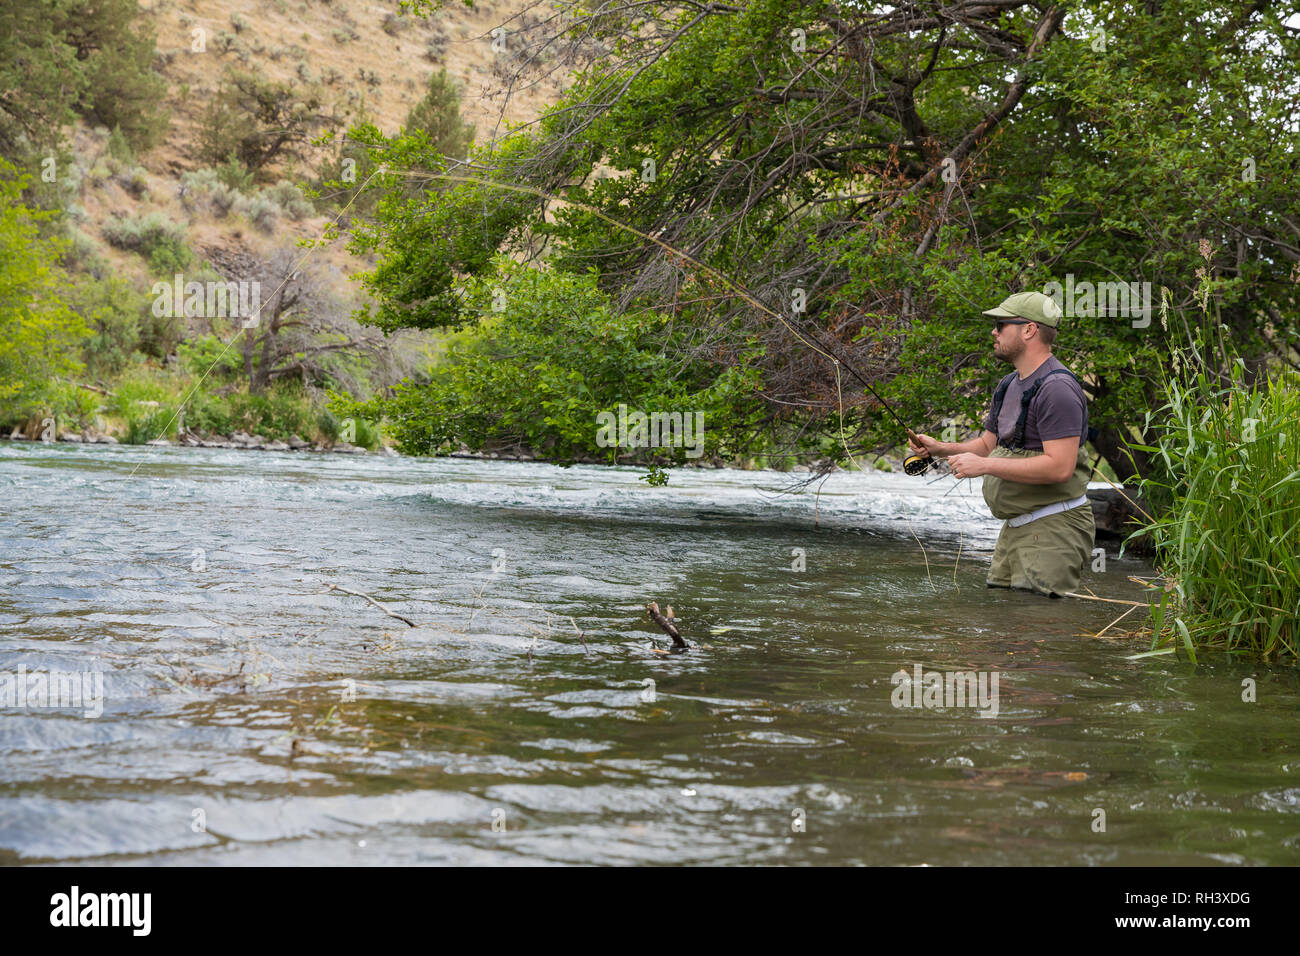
(1227, 494)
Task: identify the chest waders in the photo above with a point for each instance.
(1009, 499)
(1046, 554)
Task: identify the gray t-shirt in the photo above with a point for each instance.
(1059, 410)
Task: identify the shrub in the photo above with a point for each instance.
(289, 198)
(435, 47)
(145, 423)
(82, 255)
(277, 413)
(234, 174)
(160, 335)
(203, 190)
(111, 309)
(1226, 542)
(143, 234)
(118, 147)
(133, 180)
(368, 434)
(1226, 495)
(169, 257)
(262, 213)
(209, 355)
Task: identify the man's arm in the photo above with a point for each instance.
(1055, 465)
(924, 444)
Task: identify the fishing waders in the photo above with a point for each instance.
(1050, 531)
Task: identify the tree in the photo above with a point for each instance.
(879, 176)
(121, 89)
(299, 325)
(40, 336)
(260, 121)
(438, 117)
(65, 58)
(551, 353)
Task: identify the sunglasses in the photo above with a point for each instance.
(1002, 322)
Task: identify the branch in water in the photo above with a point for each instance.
(406, 620)
(666, 624)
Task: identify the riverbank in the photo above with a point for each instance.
(239, 440)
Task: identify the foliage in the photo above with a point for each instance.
(155, 237)
(438, 118)
(288, 197)
(282, 410)
(208, 356)
(112, 309)
(549, 355)
(896, 176)
(234, 175)
(260, 121)
(40, 336)
(92, 58)
(429, 239)
(1227, 503)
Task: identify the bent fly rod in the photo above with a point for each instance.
(912, 464)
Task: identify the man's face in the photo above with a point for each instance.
(1009, 343)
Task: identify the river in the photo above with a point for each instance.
(252, 716)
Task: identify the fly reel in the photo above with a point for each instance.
(917, 464)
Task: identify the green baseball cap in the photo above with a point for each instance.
(1034, 306)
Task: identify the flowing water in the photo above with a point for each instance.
(250, 715)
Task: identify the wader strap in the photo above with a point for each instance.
(998, 396)
(1017, 439)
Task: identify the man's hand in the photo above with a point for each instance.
(922, 444)
(967, 465)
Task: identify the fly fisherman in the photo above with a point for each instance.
(1030, 454)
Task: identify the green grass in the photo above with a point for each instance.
(1228, 507)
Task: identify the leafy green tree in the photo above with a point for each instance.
(879, 176)
(112, 308)
(550, 353)
(40, 336)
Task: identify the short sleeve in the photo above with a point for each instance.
(1060, 411)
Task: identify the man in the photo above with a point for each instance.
(1030, 454)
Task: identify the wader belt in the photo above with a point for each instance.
(1043, 512)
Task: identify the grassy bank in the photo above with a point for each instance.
(148, 402)
(1227, 533)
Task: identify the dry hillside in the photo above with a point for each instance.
(369, 61)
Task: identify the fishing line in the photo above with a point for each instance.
(732, 284)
